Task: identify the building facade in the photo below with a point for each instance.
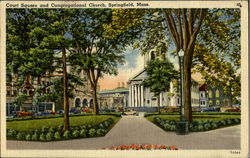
(114, 98)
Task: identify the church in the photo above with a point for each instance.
(142, 99)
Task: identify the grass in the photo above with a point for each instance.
(195, 117)
(55, 122)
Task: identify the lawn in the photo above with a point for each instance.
(195, 117)
(55, 122)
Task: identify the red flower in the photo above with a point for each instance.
(173, 148)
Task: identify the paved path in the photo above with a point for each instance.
(138, 130)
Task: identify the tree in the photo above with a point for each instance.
(182, 28)
(160, 73)
(92, 51)
(33, 38)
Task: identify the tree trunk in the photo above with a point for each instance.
(187, 89)
(158, 102)
(95, 102)
(65, 93)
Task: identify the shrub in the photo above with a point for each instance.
(66, 134)
(99, 132)
(44, 129)
(57, 136)
(89, 126)
(20, 136)
(83, 127)
(34, 137)
(11, 133)
(76, 134)
(214, 125)
(207, 126)
(172, 128)
(59, 128)
(52, 129)
(236, 120)
(200, 128)
(42, 137)
(92, 132)
(166, 126)
(223, 123)
(49, 136)
(83, 133)
(37, 131)
(106, 124)
(101, 126)
(28, 137)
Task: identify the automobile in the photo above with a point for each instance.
(24, 114)
(232, 110)
(210, 109)
(60, 112)
(74, 111)
(130, 112)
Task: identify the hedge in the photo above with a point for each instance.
(54, 134)
(116, 114)
(194, 113)
(197, 126)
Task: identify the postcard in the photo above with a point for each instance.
(124, 79)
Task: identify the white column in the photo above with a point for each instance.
(136, 96)
(130, 96)
(160, 99)
(133, 98)
(139, 95)
(142, 97)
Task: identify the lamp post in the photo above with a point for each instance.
(181, 55)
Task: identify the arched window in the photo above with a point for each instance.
(210, 94)
(85, 103)
(77, 102)
(217, 93)
(210, 102)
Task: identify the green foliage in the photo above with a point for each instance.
(42, 137)
(92, 132)
(66, 134)
(49, 136)
(34, 137)
(20, 136)
(28, 137)
(83, 133)
(160, 73)
(76, 134)
(57, 136)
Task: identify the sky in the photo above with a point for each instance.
(134, 63)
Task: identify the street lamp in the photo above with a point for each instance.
(181, 55)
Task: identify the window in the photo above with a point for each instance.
(217, 93)
(201, 102)
(201, 94)
(217, 102)
(204, 103)
(210, 102)
(148, 101)
(210, 94)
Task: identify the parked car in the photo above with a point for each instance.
(210, 109)
(130, 112)
(74, 111)
(24, 114)
(233, 110)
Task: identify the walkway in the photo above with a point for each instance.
(138, 130)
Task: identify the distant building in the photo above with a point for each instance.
(114, 98)
(213, 96)
(82, 93)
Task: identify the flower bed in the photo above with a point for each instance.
(54, 134)
(196, 126)
(141, 147)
